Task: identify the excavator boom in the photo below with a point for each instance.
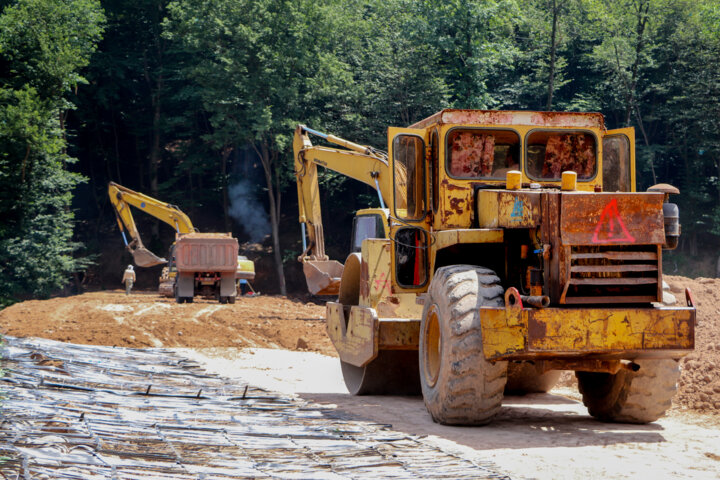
(356, 161)
(122, 198)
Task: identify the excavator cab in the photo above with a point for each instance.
(370, 223)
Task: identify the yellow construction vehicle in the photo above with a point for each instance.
(204, 264)
(509, 246)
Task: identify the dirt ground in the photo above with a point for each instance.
(145, 319)
(539, 436)
(280, 344)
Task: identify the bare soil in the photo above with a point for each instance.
(699, 386)
(280, 344)
(145, 319)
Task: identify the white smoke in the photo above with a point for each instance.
(247, 211)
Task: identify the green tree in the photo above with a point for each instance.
(683, 114)
(476, 47)
(43, 45)
(261, 64)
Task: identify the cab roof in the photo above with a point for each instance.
(513, 117)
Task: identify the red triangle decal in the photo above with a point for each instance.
(611, 228)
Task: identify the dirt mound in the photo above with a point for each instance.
(699, 386)
(148, 320)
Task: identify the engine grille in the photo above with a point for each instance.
(612, 274)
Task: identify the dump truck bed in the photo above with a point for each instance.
(206, 252)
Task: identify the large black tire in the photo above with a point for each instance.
(392, 372)
(528, 377)
(459, 385)
(631, 397)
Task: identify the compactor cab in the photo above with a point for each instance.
(509, 246)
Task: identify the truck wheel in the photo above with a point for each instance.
(528, 377)
(393, 372)
(459, 385)
(178, 299)
(631, 397)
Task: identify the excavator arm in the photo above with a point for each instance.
(360, 162)
(122, 199)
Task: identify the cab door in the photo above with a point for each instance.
(409, 216)
(618, 160)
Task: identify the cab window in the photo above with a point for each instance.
(434, 170)
(411, 259)
(549, 153)
(409, 178)
(366, 226)
(616, 163)
(482, 153)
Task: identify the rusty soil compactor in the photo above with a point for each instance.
(508, 246)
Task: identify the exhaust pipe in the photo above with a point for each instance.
(537, 301)
(513, 299)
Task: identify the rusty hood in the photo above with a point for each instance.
(611, 218)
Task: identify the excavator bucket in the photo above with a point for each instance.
(145, 258)
(323, 276)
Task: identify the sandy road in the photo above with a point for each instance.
(544, 436)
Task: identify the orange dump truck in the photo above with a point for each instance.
(206, 265)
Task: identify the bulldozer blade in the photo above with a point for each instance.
(145, 258)
(323, 276)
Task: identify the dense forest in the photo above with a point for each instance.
(194, 102)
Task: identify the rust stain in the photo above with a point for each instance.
(451, 186)
(512, 117)
(364, 279)
(536, 328)
(457, 204)
(565, 119)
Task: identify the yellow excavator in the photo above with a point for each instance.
(200, 263)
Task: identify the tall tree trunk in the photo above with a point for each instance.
(643, 10)
(156, 89)
(553, 52)
(647, 143)
(717, 164)
(225, 197)
(155, 152)
(156, 84)
(274, 199)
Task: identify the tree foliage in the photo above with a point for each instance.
(196, 100)
(43, 46)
